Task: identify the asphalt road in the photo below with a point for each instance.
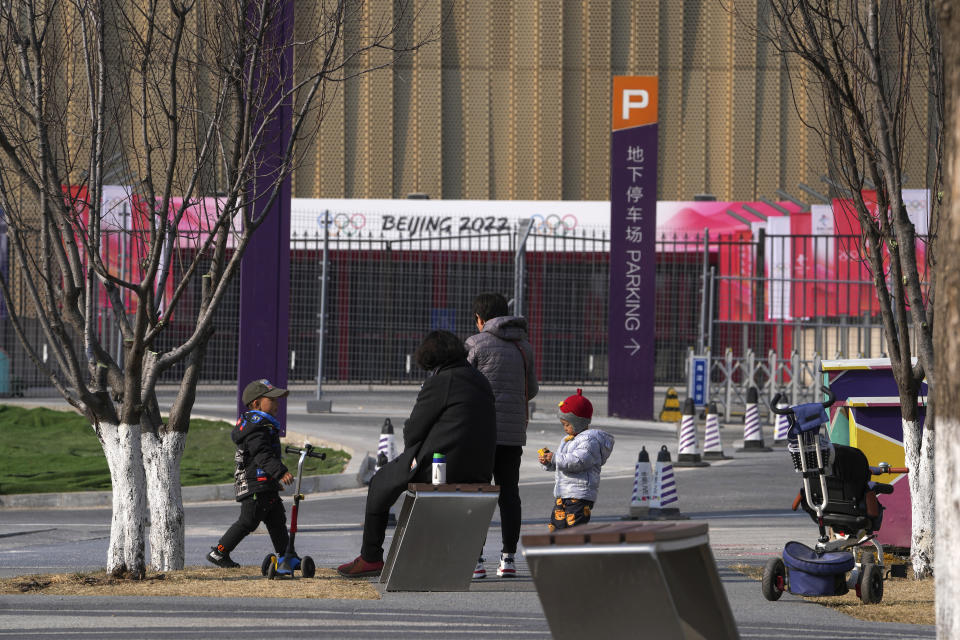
(744, 500)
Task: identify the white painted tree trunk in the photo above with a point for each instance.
(121, 446)
(948, 537)
(161, 459)
(922, 494)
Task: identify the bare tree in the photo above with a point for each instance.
(870, 69)
(177, 97)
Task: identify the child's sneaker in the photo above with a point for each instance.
(507, 568)
(221, 558)
(480, 571)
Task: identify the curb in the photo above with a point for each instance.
(357, 473)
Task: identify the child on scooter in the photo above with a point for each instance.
(259, 473)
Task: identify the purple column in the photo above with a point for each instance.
(633, 212)
(265, 269)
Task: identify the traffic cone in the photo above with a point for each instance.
(781, 426)
(671, 407)
(687, 453)
(712, 445)
(752, 433)
(642, 487)
(665, 501)
(387, 446)
(387, 451)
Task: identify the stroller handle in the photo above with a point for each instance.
(831, 398)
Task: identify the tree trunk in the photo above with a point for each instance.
(920, 462)
(121, 446)
(947, 342)
(161, 458)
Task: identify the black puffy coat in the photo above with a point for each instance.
(454, 415)
(258, 456)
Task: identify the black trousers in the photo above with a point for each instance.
(260, 507)
(386, 486)
(506, 473)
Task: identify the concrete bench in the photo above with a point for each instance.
(630, 579)
(439, 534)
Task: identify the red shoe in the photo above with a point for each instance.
(360, 568)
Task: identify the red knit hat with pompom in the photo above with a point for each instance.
(576, 410)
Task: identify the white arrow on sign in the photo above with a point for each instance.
(633, 347)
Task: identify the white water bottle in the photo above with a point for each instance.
(439, 468)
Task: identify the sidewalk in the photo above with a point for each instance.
(745, 501)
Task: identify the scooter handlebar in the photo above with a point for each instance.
(309, 451)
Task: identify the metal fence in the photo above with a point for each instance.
(809, 294)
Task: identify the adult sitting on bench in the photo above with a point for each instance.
(454, 415)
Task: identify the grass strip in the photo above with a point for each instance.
(49, 451)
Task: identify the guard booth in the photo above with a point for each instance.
(630, 580)
(867, 416)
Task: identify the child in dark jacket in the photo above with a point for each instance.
(259, 474)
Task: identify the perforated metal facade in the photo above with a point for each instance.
(513, 102)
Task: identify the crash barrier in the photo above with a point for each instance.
(662, 573)
(731, 378)
(439, 534)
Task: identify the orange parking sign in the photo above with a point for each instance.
(634, 101)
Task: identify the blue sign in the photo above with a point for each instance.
(697, 386)
(443, 319)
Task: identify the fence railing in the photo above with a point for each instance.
(800, 295)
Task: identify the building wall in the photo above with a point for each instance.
(513, 102)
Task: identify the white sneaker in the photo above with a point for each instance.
(507, 568)
(480, 571)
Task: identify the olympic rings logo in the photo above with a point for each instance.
(342, 223)
(554, 224)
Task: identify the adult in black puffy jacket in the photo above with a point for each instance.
(454, 415)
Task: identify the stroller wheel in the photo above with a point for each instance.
(871, 584)
(270, 559)
(774, 579)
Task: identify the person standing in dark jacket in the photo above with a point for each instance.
(502, 353)
(454, 415)
(259, 474)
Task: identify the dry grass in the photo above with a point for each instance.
(194, 581)
(904, 600)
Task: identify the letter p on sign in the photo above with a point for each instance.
(634, 101)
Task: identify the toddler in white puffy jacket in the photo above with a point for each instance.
(576, 463)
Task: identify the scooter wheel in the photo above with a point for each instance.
(270, 559)
(272, 571)
(307, 568)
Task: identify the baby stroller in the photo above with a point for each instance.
(837, 493)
